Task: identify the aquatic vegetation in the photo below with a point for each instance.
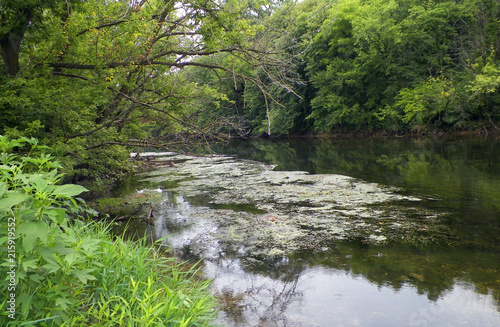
(272, 239)
(298, 210)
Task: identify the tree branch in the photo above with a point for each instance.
(146, 62)
(117, 22)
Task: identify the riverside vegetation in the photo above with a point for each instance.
(92, 78)
(96, 79)
(71, 271)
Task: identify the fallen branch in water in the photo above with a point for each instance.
(150, 218)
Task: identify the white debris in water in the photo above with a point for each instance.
(158, 190)
(151, 154)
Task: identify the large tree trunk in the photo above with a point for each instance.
(10, 52)
(10, 41)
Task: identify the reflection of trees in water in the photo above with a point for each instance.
(258, 299)
(400, 162)
(461, 173)
(281, 297)
(432, 271)
(269, 296)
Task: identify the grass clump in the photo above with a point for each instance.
(135, 286)
(60, 271)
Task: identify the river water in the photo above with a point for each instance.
(447, 275)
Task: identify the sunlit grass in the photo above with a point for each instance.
(71, 273)
(136, 286)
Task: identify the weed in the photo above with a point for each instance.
(72, 273)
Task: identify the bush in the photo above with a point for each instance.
(62, 271)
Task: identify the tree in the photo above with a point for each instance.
(405, 64)
(16, 17)
(96, 74)
(277, 102)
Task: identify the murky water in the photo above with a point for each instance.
(444, 272)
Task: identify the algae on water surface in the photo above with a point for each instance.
(292, 210)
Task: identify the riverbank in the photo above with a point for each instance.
(69, 270)
(384, 134)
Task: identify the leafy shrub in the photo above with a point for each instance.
(72, 273)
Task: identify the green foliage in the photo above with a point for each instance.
(94, 78)
(426, 102)
(139, 290)
(388, 65)
(483, 88)
(71, 273)
(35, 211)
(266, 95)
(97, 78)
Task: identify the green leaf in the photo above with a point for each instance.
(7, 144)
(69, 190)
(89, 245)
(47, 253)
(29, 243)
(52, 267)
(57, 215)
(63, 303)
(28, 214)
(84, 276)
(35, 322)
(37, 228)
(39, 183)
(25, 300)
(30, 264)
(36, 278)
(72, 257)
(3, 188)
(12, 199)
(33, 230)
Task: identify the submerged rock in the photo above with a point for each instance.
(292, 210)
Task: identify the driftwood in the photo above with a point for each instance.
(148, 219)
(122, 218)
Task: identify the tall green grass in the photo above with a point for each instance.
(135, 286)
(72, 273)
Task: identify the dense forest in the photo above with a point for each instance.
(370, 65)
(94, 78)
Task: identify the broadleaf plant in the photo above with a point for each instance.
(72, 273)
(40, 208)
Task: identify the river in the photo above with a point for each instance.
(351, 232)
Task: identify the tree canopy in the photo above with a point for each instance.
(91, 77)
(397, 66)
